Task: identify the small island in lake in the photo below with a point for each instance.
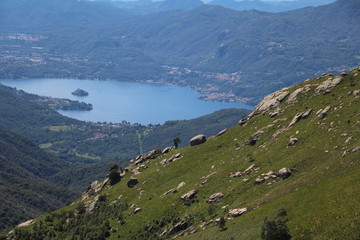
(80, 92)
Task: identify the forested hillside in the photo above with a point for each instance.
(24, 191)
(218, 51)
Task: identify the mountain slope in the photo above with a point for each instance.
(269, 6)
(297, 151)
(25, 192)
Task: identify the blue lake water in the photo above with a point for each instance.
(115, 101)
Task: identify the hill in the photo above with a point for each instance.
(25, 191)
(291, 165)
(269, 6)
(92, 147)
(223, 53)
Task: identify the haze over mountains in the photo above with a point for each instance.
(230, 52)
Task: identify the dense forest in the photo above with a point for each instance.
(210, 48)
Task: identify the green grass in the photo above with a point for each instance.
(321, 195)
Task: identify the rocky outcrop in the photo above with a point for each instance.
(178, 227)
(94, 188)
(323, 113)
(329, 84)
(356, 149)
(171, 159)
(168, 149)
(214, 198)
(189, 195)
(237, 212)
(27, 223)
(284, 173)
(197, 140)
(272, 100)
(296, 118)
(146, 156)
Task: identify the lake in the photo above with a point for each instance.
(115, 101)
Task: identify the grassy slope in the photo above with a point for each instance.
(320, 196)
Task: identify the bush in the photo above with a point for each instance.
(276, 229)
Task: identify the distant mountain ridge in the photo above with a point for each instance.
(269, 6)
(261, 49)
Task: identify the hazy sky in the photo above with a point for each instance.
(206, 1)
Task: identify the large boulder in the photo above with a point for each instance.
(237, 212)
(215, 198)
(189, 195)
(132, 182)
(284, 173)
(199, 139)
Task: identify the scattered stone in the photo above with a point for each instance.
(251, 141)
(348, 139)
(199, 139)
(324, 113)
(178, 227)
(274, 114)
(249, 169)
(171, 191)
(306, 114)
(27, 223)
(171, 159)
(356, 93)
(189, 195)
(222, 132)
(292, 141)
(242, 122)
(343, 74)
(296, 118)
(215, 198)
(132, 182)
(245, 180)
(137, 210)
(237, 174)
(259, 180)
(92, 204)
(284, 173)
(180, 185)
(237, 212)
(167, 150)
(356, 149)
(147, 156)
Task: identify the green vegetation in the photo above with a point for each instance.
(314, 179)
(25, 191)
(82, 143)
(226, 58)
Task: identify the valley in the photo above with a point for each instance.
(135, 120)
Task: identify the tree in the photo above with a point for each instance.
(114, 177)
(114, 167)
(176, 140)
(276, 229)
